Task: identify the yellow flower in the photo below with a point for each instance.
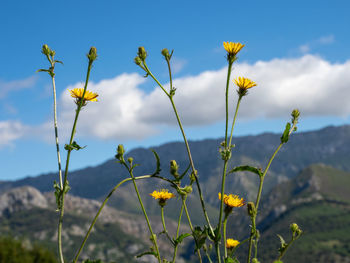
(244, 83)
(232, 200)
(233, 48)
(162, 195)
(78, 94)
(231, 243)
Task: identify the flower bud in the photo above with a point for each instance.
(130, 159)
(295, 114)
(142, 53)
(294, 227)
(174, 167)
(120, 152)
(137, 61)
(255, 260)
(92, 54)
(45, 50)
(188, 189)
(165, 53)
(251, 209)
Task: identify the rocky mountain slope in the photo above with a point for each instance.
(26, 212)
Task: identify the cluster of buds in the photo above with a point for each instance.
(48, 51)
(120, 153)
(295, 230)
(225, 153)
(141, 56)
(174, 167)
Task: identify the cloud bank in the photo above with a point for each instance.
(124, 111)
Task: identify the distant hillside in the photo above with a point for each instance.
(319, 201)
(329, 146)
(118, 236)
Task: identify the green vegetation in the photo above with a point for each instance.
(14, 251)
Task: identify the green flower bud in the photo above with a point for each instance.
(165, 53)
(255, 260)
(142, 53)
(295, 114)
(130, 159)
(294, 227)
(46, 50)
(188, 189)
(251, 209)
(92, 54)
(174, 169)
(137, 61)
(120, 152)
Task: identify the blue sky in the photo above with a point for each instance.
(297, 51)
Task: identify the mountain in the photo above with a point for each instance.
(307, 183)
(318, 200)
(27, 213)
(329, 146)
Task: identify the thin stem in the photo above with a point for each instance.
(60, 222)
(234, 120)
(186, 142)
(253, 231)
(226, 96)
(100, 210)
(191, 227)
(224, 230)
(164, 226)
(144, 213)
(56, 132)
(178, 229)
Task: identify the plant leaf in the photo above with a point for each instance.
(158, 169)
(244, 168)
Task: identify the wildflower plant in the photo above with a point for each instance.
(212, 234)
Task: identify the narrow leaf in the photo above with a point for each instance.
(158, 169)
(246, 168)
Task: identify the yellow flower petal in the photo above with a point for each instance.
(233, 48)
(78, 94)
(244, 83)
(231, 243)
(232, 200)
(162, 194)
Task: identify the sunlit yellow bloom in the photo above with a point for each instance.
(78, 94)
(244, 83)
(233, 48)
(232, 200)
(162, 195)
(231, 243)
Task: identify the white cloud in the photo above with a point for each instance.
(15, 85)
(125, 111)
(116, 114)
(10, 131)
(326, 39)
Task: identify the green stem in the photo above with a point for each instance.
(164, 226)
(191, 227)
(153, 237)
(178, 230)
(253, 232)
(226, 96)
(60, 222)
(56, 132)
(100, 210)
(186, 142)
(224, 230)
(234, 119)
